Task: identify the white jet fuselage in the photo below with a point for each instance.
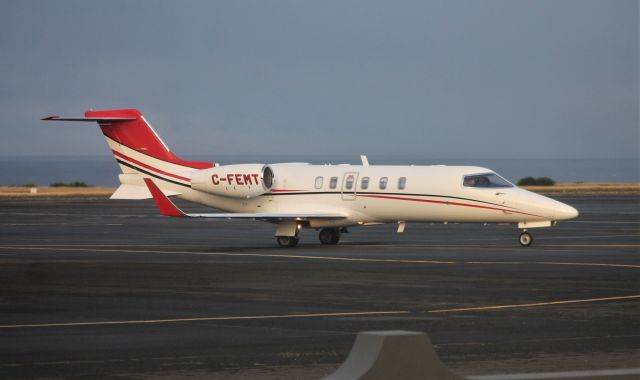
(429, 194)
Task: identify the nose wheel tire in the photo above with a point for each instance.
(329, 236)
(287, 241)
(525, 239)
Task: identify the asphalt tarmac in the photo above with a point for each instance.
(91, 288)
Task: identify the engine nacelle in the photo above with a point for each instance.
(236, 181)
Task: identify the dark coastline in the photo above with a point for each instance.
(103, 170)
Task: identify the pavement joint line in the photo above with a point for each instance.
(632, 266)
(602, 222)
(537, 304)
(204, 319)
(328, 258)
(98, 361)
(593, 245)
(538, 340)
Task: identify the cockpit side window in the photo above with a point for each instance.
(485, 180)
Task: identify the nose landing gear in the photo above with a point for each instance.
(525, 239)
(287, 233)
(287, 241)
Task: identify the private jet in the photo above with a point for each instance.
(327, 198)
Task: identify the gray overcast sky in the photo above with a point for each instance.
(487, 79)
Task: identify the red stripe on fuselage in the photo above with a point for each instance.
(445, 203)
(133, 160)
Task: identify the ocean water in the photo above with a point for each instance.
(103, 170)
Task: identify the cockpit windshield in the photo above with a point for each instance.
(486, 180)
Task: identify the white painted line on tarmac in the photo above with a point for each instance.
(537, 304)
(202, 319)
(280, 256)
(326, 258)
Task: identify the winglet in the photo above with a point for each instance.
(165, 205)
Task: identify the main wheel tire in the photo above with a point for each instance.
(525, 239)
(329, 236)
(287, 241)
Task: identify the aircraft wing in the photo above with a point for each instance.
(167, 208)
(268, 216)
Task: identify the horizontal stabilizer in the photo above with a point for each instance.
(98, 119)
(136, 192)
(169, 209)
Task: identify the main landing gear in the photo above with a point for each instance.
(329, 236)
(525, 239)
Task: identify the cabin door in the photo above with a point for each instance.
(349, 182)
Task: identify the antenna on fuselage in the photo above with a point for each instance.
(364, 159)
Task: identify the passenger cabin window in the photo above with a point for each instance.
(364, 183)
(402, 183)
(383, 183)
(333, 182)
(485, 180)
(348, 183)
(318, 183)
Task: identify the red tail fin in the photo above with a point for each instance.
(138, 135)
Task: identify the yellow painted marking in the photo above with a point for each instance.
(201, 319)
(328, 258)
(537, 304)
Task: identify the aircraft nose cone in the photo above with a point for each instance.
(566, 212)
